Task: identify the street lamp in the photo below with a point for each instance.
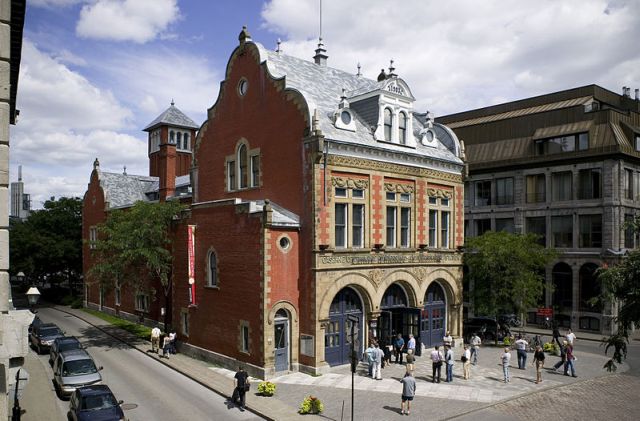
(20, 277)
(33, 295)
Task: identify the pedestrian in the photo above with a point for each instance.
(538, 361)
(571, 337)
(408, 391)
(563, 356)
(368, 357)
(410, 361)
(521, 348)
(166, 345)
(448, 356)
(570, 363)
(505, 359)
(475, 347)
(241, 385)
(155, 339)
(466, 362)
(172, 339)
(556, 332)
(398, 346)
(378, 356)
(436, 364)
(447, 340)
(411, 345)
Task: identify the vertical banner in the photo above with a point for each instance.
(191, 240)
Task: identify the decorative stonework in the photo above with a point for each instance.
(420, 273)
(439, 193)
(376, 276)
(349, 183)
(398, 188)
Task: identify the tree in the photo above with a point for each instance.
(621, 284)
(506, 271)
(134, 248)
(47, 246)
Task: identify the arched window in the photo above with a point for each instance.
(212, 270)
(402, 128)
(179, 138)
(186, 141)
(172, 137)
(242, 162)
(388, 124)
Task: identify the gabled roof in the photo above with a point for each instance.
(172, 116)
(123, 189)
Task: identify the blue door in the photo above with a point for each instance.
(336, 345)
(433, 317)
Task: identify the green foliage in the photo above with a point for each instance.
(506, 271)
(141, 331)
(311, 405)
(73, 301)
(48, 245)
(267, 388)
(506, 341)
(552, 348)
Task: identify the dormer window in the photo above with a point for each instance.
(402, 128)
(388, 124)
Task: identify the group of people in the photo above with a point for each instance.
(168, 342)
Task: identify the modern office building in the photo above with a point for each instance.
(20, 201)
(565, 166)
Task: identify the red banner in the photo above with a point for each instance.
(191, 240)
(545, 312)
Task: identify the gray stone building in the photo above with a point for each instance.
(20, 201)
(565, 166)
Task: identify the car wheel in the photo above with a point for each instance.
(39, 350)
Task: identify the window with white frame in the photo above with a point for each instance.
(255, 170)
(398, 219)
(402, 128)
(142, 302)
(243, 166)
(388, 124)
(231, 175)
(349, 218)
(212, 269)
(93, 237)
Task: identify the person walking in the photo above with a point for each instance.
(538, 361)
(556, 332)
(411, 345)
(369, 358)
(436, 364)
(172, 338)
(378, 356)
(475, 347)
(571, 337)
(166, 345)
(398, 346)
(466, 362)
(563, 356)
(448, 356)
(570, 363)
(521, 348)
(240, 383)
(155, 339)
(505, 359)
(408, 391)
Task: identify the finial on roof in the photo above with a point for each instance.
(244, 35)
(343, 100)
(124, 171)
(96, 164)
(172, 102)
(321, 57)
(279, 50)
(359, 67)
(382, 76)
(391, 69)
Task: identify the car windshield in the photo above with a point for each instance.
(78, 368)
(95, 402)
(67, 345)
(50, 331)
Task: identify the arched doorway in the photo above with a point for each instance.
(562, 279)
(589, 287)
(345, 307)
(396, 316)
(281, 340)
(434, 316)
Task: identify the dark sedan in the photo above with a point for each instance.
(94, 403)
(43, 335)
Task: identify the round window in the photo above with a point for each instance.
(284, 243)
(428, 137)
(345, 116)
(243, 85)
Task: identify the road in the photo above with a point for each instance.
(150, 390)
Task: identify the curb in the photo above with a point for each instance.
(176, 369)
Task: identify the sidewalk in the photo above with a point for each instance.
(376, 399)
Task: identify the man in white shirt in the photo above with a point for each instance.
(411, 345)
(155, 339)
(378, 355)
(521, 348)
(475, 347)
(466, 362)
(448, 340)
(570, 336)
(436, 364)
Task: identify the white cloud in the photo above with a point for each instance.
(54, 3)
(463, 55)
(126, 20)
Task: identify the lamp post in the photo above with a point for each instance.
(33, 295)
(20, 276)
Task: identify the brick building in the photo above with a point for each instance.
(319, 199)
(565, 166)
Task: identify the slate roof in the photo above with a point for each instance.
(122, 190)
(322, 88)
(172, 116)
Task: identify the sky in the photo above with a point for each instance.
(94, 73)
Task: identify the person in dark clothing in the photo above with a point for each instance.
(241, 380)
(556, 333)
(563, 356)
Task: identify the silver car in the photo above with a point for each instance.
(72, 369)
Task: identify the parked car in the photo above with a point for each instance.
(94, 403)
(63, 344)
(43, 335)
(486, 327)
(73, 369)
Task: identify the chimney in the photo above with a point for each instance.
(321, 57)
(624, 91)
(637, 92)
(167, 165)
